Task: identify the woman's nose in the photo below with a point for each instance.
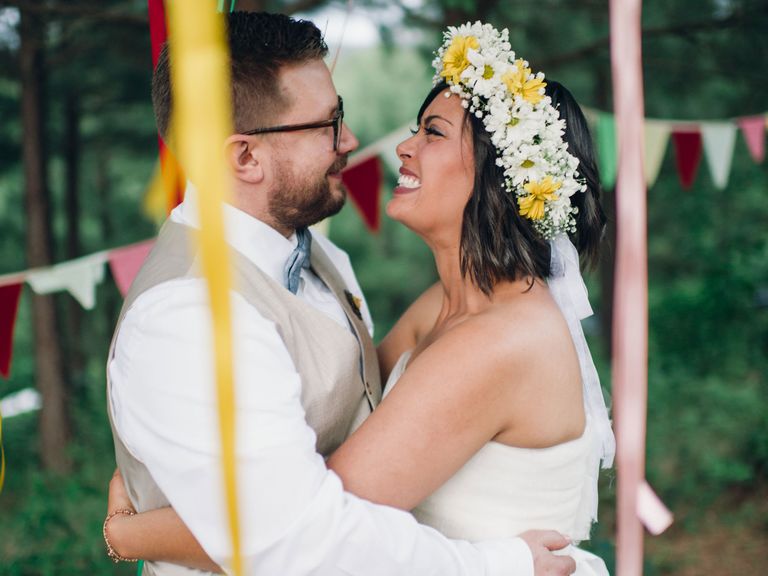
(405, 148)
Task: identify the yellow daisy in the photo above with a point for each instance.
(519, 83)
(532, 206)
(455, 58)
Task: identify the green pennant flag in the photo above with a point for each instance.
(606, 149)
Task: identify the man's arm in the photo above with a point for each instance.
(295, 516)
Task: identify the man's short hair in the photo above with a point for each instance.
(259, 44)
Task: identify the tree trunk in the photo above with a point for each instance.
(54, 424)
(102, 189)
(75, 360)
(608, 252)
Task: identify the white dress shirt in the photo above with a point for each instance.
(295, 518)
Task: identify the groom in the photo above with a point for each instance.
(305, 366)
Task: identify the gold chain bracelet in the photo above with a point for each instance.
(111, 551)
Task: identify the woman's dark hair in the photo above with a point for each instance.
(496, 242)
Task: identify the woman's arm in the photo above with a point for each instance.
(412, 326)
(445, 407)
(453, 398)
(137, 536)
(479, 382)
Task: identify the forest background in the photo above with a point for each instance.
(78, 148)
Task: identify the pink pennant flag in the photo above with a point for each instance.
(126, 262)
(688, 147)
(753, 128)
(9, 305)
(363, 181)
(651, 510)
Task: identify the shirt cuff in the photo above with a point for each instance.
(507, 557)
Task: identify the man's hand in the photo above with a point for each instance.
(545, 563)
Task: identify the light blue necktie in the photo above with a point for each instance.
(298, 259)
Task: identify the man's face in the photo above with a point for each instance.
(307, 170)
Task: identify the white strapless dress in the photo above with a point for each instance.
(503, 491)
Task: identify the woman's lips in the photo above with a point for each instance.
(407, 182)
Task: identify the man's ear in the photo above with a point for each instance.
(246, 158)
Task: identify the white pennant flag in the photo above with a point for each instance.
(719, 139)
(656, 138)
(78, 277)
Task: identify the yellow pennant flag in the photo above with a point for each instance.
(201, 123)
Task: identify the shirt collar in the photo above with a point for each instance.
(256, 240)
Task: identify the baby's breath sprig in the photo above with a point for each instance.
(479, 65)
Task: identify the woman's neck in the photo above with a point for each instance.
(461, 296)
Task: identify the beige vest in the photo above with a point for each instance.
(338, 366)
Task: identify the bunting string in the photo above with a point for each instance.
(714, 139)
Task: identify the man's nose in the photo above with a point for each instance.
(348, 141)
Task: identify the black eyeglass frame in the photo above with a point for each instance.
(336, 122)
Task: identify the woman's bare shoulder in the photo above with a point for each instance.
(524, 351)
(410, 329)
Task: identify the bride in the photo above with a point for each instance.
(493, 421)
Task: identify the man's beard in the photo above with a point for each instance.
(298, 203)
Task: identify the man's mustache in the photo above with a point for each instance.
(338, 165)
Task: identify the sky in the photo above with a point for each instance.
(358, 26)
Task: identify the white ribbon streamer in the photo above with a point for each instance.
(567, 288)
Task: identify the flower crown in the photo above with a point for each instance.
(478, 64)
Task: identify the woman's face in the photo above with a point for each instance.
(437, 173)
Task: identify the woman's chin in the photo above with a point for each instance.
(395, 209)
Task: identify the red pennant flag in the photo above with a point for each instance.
(688, 147)
(753, 128)
(9, 305)
(126, 262)
(157, 30)
(363, 181)
(174, 181)
(173, 178)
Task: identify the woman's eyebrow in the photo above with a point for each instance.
(437, 117)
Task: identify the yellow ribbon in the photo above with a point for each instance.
(201, 100)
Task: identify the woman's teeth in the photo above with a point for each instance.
(408, 181)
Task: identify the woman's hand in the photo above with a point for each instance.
(155, 535)
(118, 495)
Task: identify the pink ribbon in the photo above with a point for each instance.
(630, 335)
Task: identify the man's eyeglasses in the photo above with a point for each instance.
(336, 121)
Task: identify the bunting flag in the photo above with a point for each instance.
(753, 128)
(124, 263)
(9, 305)
(719, 139)
(363, 181)
(652, 512)
(718, 153)
(172, 178)
(157, 29)
(607, 151)
(656, 138)
(21, 402)
(687, 154)
(79, 277)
